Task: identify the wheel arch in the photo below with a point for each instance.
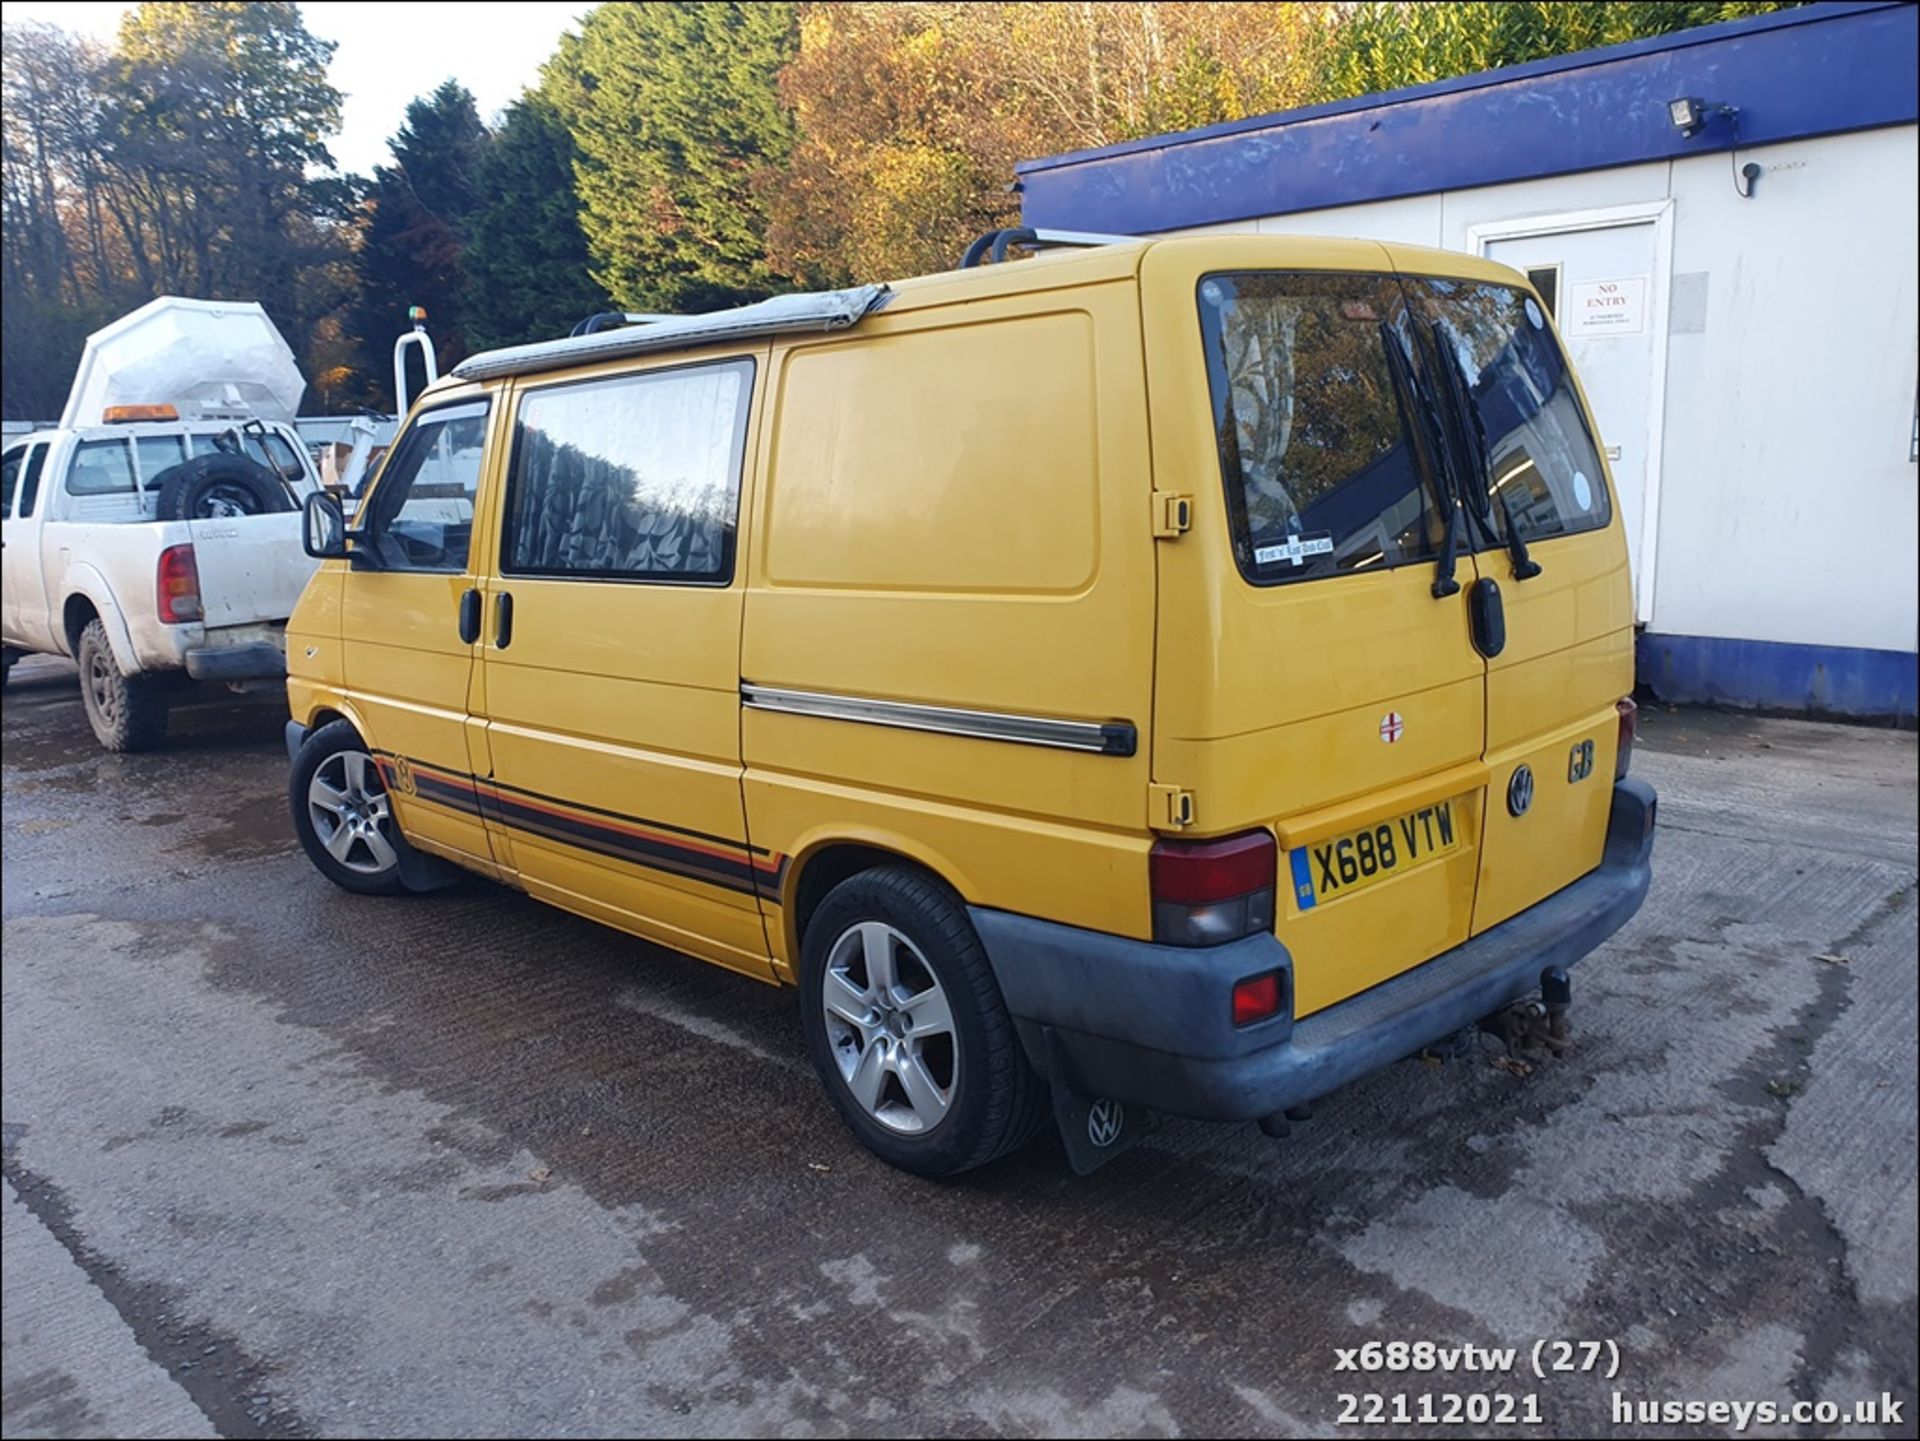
(90, 598)
(323, 708)
(823, 861)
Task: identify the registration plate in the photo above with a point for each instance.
(1327, 870)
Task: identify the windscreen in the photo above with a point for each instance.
(1321, 475)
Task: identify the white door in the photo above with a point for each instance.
(22, 600)
(1604, 287)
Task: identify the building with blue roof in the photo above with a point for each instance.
(1726, 224)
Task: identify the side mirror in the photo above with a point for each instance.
(323, 527)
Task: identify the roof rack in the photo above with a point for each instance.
(999, 241)
(815, 311)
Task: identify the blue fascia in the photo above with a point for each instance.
(1819, 70)
(1779, 676)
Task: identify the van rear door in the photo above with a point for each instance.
(1537, 472)
(1314, 670)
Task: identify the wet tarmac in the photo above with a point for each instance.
(465, 1164)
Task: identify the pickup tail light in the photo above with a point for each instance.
(1629, 727)
(1208, 892)
(177, 585)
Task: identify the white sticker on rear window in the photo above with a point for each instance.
(1534, 317)
(1582, 492)
(1295, 550)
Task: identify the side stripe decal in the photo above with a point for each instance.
(732, 865)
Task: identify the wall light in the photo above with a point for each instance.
(1689, 116)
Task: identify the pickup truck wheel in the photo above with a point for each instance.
(342, 815)
(907, 1028)
(218, 487)
(127, 712)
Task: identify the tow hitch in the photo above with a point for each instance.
(1534, 1025)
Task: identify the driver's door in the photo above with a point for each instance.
(408, 665)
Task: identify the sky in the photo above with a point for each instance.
(390, 51)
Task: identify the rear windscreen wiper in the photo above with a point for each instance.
(1434, 456)
(1474, 433)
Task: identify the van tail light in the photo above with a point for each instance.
(1629, 727)
(1207, 892)
(177, 585)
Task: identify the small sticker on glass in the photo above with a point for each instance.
(1582, 492)
(1534, 317)
(1213, 292)
(1295, 550)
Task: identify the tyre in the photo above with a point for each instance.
(219, 486)
(342, 815)
(907, 1028)
(127, 712)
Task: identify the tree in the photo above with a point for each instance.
(674, 109)
(219, 110)
(188, 158)
(910, 118)
(1382, 46)
(414, 233)
(526, 260)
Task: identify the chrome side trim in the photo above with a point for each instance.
(1113, 738)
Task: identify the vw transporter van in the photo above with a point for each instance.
(1178, 675)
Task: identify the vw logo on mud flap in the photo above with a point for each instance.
(1106, 1119)
(1520, 791)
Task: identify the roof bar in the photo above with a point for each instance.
(995, 243)
(816, 313)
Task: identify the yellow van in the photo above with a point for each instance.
(1176, 674)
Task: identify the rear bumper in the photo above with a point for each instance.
(1151, 1025)
(261, 661)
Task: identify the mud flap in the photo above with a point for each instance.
(1094, 1129)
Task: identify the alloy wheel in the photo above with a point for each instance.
(890, 1028)
(348, 807)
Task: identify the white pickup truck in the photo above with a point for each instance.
(154, 535)
(90, 572)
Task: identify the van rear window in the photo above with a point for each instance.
(1321, 474)
(1539, 464)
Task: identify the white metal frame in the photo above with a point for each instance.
(1658, 214)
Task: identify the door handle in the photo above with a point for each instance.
(469, 616)
(503, 620)
(1487, 617)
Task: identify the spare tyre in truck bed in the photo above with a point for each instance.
(217, 487)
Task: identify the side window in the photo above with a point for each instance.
(101, 467)
(30, 479)
(156, 453)
(10, 466)
(634, 478)
(421, 514)
(279, 455)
